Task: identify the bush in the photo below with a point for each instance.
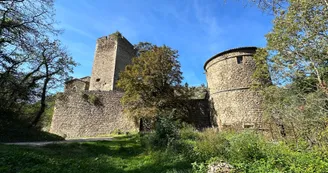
(166, 131)
(246, 151)
(246, 147)
(211, 144)
(165, 135)
(188, 132)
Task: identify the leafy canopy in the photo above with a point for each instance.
(297, 57)
(150, 81)
(297, 46)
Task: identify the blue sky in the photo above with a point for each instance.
(198, 29)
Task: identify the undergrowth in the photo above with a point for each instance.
(172, 147)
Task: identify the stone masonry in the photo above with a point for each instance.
(229, 76)
(89, 113)
(91, 106)
(112, 54)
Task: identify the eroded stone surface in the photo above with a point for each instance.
(89, 113)
(112, 54)
(228, 82)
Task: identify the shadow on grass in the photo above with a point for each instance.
(124, 154)
(124, 147)
(13, 130)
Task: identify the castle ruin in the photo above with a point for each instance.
(90, 106)
(229, 77)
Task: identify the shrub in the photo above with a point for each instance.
(166, 131)
(211, 144)
(188, 132)
(199, 167)
(250, 153)
(92, 99)
(246, 147)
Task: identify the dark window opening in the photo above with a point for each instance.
(248, 126)
(97, 80)
(239, 59)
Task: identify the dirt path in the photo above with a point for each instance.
(60, 142)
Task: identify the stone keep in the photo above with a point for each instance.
(90, 106)
(112, 54)
(229, 76)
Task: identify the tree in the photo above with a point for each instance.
(150, 83)
(54, 67)
(32, 61)
(300, 49)
(270, 6)
(23, 24)
(297, 57)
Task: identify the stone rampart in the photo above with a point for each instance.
(89, 113)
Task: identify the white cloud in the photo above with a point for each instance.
(68, 27)
(208, 21)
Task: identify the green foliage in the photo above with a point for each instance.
(149, 83)
(17, 130)
(261, 76)
(296, 114)
(92, 99)
(165, 135)
(199, 167)
(246, 151)
(296, 55)
(281, 158)
(123, 154)
(246, 147)
(117, 34)
(300, 49)
(249, 152)
(211, 144)
(166, 131)
(32, 60)
(29, 111)
(188, 132)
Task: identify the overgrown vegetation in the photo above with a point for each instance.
(92, 99)
(124, 154)
(32, 60)
(152, 84)
(17, 128)
(169, 149)
(292, 73)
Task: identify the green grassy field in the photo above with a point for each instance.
(124, 154)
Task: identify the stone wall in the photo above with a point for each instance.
(229, 76)
(76, 85)
(199, 111)
(124, 54)
(89, 113)
(104, 64)
(112, 54)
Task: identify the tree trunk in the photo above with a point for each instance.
(42, 102)
(44, 93)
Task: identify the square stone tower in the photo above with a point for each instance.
(112, 54)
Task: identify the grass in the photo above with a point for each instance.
(124, 154)
(21, 133)
(27, 135)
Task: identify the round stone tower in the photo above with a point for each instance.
(229, 77)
